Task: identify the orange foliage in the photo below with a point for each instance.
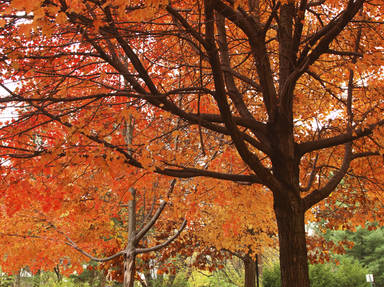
(279, 96)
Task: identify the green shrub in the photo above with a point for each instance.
(322, 275)
(349, 273)
(271, 276)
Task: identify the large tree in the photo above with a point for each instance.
(289, 90)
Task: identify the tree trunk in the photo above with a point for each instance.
(102, 279)
(293, 249)
(171, 279)
(129, 270)
(250, 271)
(18, 279)
(148, 277)
(130, 257)
(58, 273)
(259, 262)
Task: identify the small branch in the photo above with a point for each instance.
(149, 214)
(312, 176)
(158, 247)
(270, 18)
(344, 53)
(238, 255)
(120, 253)
(68, 241)
(148, 226)
(316, 3)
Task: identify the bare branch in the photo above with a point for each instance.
(153, 220)
(162, 245)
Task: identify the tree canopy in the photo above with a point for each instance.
(283, 96)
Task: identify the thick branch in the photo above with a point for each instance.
(307, 147)
(322, 193)
(256, 37)
(222, 103)
(104, 259)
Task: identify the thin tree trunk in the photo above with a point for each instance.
(171, 279)
(18, 279)
(259, 263)
(129, 270)
(293, 249)
(250, 270)
(58, 273)
(129, 262)
(148, 278)
(160, 279)
(102, 279)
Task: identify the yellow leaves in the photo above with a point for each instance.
(231, 219)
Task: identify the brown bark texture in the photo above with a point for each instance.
(250, 272)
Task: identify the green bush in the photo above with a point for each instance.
(349, 273)
(322, 275)
(6, 281)
(271, 276)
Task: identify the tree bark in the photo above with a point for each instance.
(130, 257)
(58, 273)
(171, 279)
(18, 279)
(129, 270)
(293, 248)
(250, 271)
(259, 263)
(102, 279)
(148, 278)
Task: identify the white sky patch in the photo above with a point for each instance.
(7, 112)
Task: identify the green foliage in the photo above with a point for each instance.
(349, 273)
(178, 280)
(208, 279)
(271, 276)
(89, 277)
(322, 275)
(368, 249)
(5, 280)
(49, 279)
(219, 278)
(200, 279)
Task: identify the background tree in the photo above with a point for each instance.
(348, 273)
(90, 220)
(232, 223)
(288, 89)
(365, 247)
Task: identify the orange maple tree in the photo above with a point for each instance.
(232, 223)
(82, 209)
(291, 89)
